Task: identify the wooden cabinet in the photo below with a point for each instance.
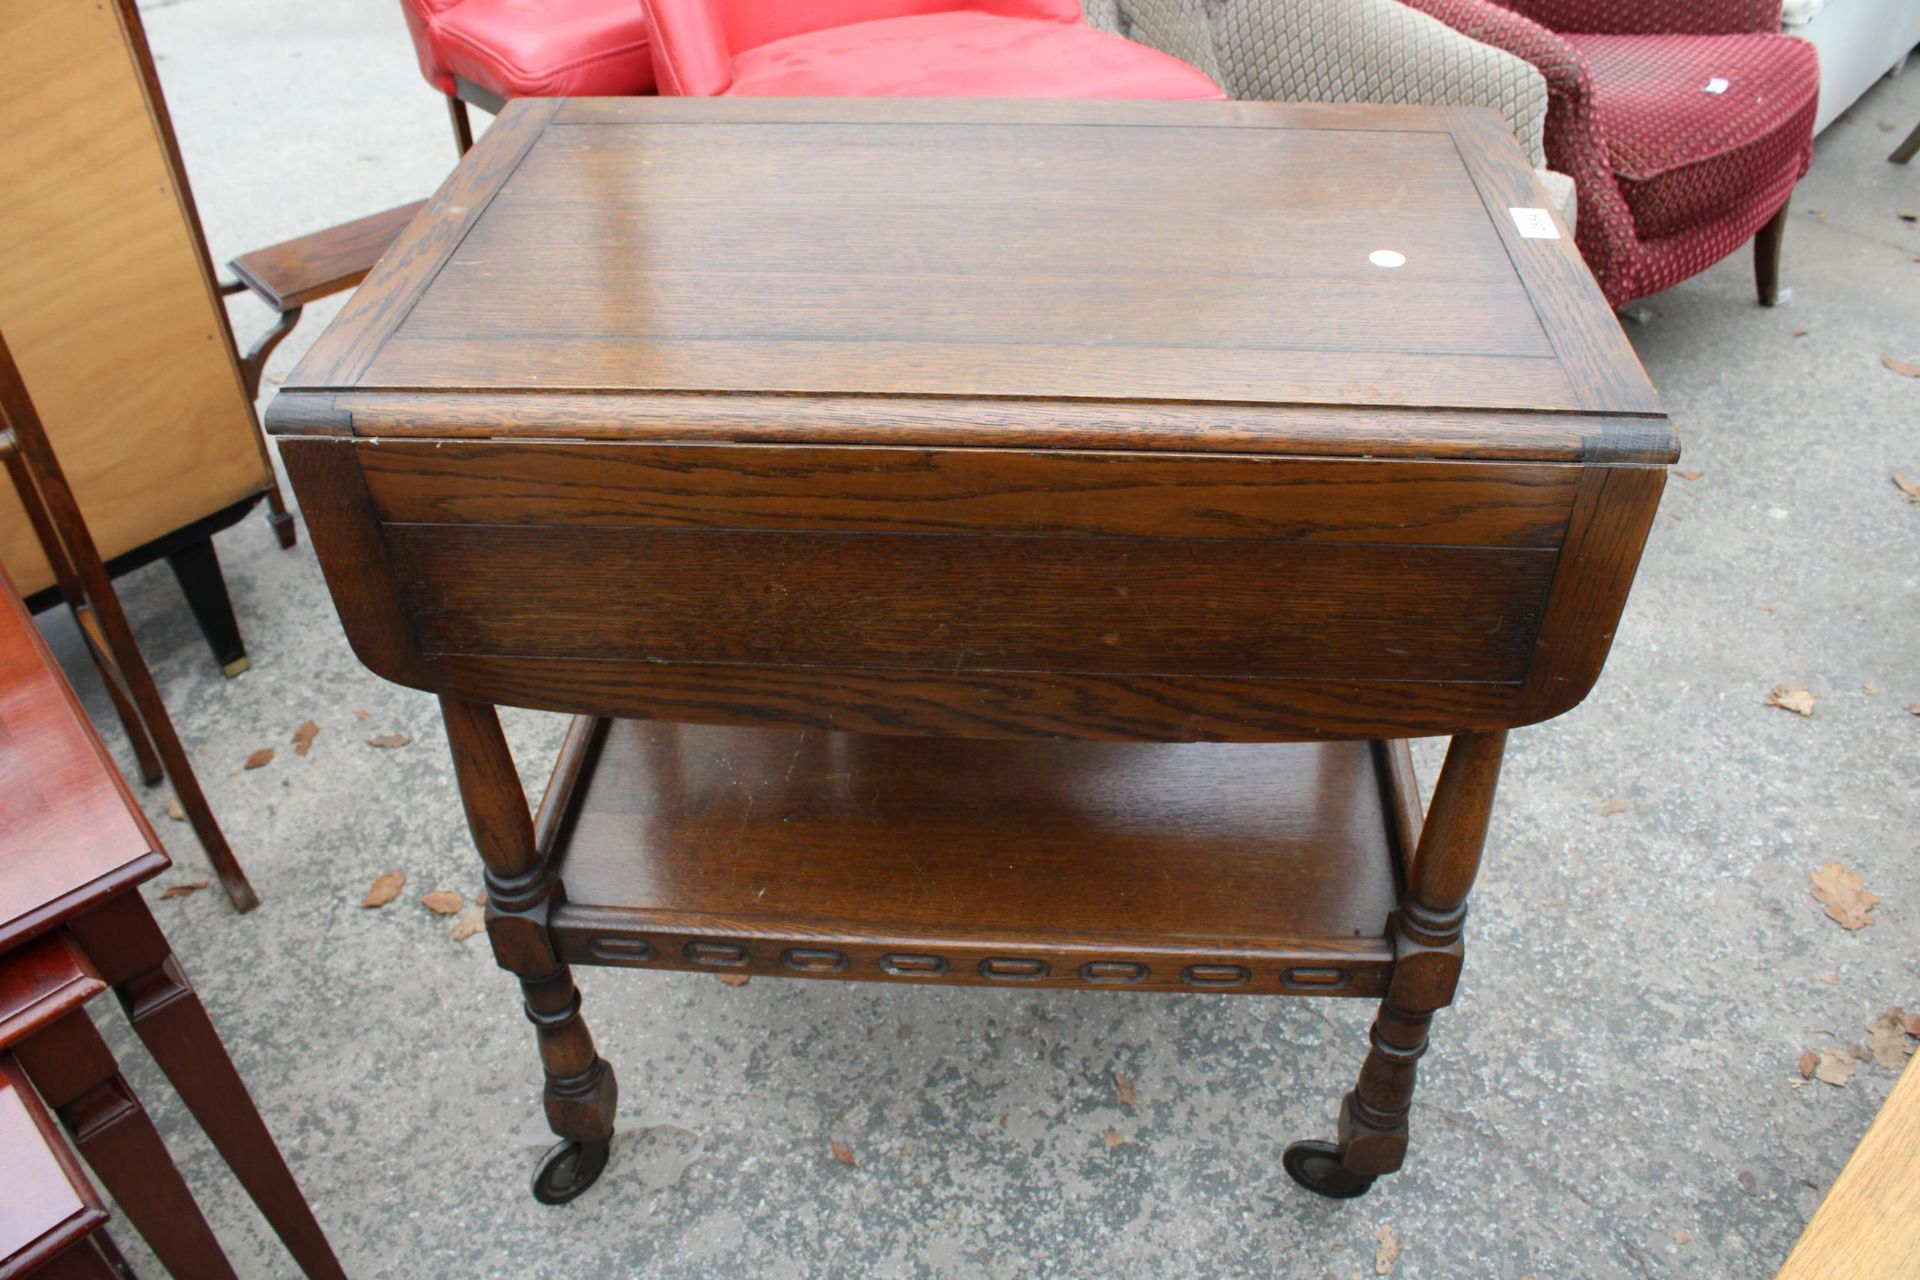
(105, 294)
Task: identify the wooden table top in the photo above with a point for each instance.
(1188, 275)
(72, 835)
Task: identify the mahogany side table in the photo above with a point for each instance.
(983, 542)
(77, 847)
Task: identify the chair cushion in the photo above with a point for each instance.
(964, 55)
(1685, 156)
(543, 48)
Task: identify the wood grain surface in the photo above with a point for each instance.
(1142, 861)
(1868, 1227)
(104, 293)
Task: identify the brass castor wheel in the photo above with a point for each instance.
(569, 1168)
(1316, 1166)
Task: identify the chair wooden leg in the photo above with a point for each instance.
(462, 124)
(126, 946)
(196, 568)
(1426, 969)
(1766, 257)
(74, 1071)
(47, 485)
(1908, 149)
(76, 598)
(581, 1092)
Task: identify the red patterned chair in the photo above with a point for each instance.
(487, 51)
(1684, 123)
(904, 48)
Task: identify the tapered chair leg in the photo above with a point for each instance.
(196, 568)
(1426, 968)
(1766, 258)
(47, 485)
(462, 124)
(1907, 149)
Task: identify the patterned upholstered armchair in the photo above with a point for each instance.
(1685, 123)
(1343, 51)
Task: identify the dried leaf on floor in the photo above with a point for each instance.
(174, 810)
(361, 713)
(442, 902)
(734, 979)
(1388, 1256)
(1909, 215)
(260, 759)
(1910, 1023)
(385, 889)
(1844, 895)
(303, 737)
(1614, 805)
(1798, 701)
(1913, 708)
(843, 1153)
(471, 921)
(1870, 688)
(1808, 1061)
(1799, 332)
(1887, 1039)
(1885, 126)
(1113, 1138)
(1905, 368)
(1836, 1067)
(1123, 1089)
(1907, 485)
(388, 741)
(1689, 475)
(1831, 979)
(188, 889)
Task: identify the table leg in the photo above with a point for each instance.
(1426, 969)
(74, 1071)
(84, 1261)
(130, 952)
(581, 1092)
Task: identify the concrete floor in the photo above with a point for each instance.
(1614, 1096)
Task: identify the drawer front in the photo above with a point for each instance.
(972, 591)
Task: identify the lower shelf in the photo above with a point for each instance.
(1253, 868)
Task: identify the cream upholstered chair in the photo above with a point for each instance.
(1343, 51)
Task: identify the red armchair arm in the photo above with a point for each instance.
(1652, 17)
(689, 47)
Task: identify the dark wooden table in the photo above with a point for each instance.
(985, 542)
(76, 849)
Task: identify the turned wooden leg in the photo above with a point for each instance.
(74, 1071)
(127, 947)
(581, 1093)
(1372, 1137)
(1766, 257)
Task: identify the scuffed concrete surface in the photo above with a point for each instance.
(1614, 1096)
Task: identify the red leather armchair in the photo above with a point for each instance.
(487, 51)
(1684, 123)
(911, 48)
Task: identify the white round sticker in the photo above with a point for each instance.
(1387, 258)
